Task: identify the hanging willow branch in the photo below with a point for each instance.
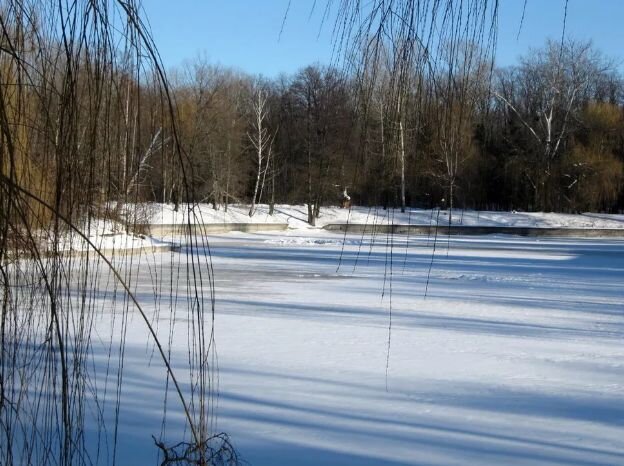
(84, 103)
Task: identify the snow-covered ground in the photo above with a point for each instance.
(106, 235)
(330, 354)
(296, 217)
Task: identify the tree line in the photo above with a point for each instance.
(547, 134)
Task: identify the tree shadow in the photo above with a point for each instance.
(355, 413)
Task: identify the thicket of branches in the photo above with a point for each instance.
(85, 117)
(547, 134)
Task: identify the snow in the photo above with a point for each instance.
(296, 217)
(513, 357)
(107, 236)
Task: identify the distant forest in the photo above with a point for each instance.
(547, 134)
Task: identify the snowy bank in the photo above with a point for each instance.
(296, 217)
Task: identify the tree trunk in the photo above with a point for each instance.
(267, 164)
(311, 218)
(402, 166)
(252, 209)
(259, 143)
(215, 195)
(451, 189)
(272, 201)
(226, 197)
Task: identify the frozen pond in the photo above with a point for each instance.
(515, 355)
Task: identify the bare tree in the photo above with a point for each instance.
(550, 89)
(261, 140)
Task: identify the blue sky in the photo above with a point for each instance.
(245, 34)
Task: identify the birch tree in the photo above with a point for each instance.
(261, 140)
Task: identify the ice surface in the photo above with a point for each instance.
(515, 356)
